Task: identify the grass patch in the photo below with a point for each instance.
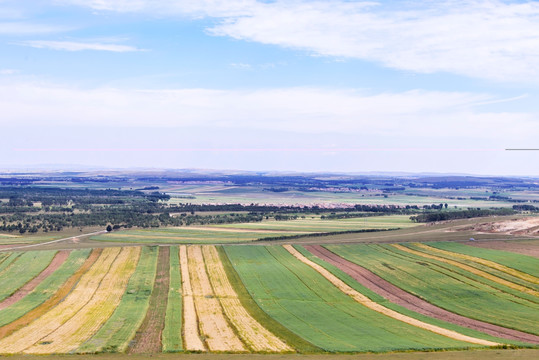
(293, 340)
(172, 333)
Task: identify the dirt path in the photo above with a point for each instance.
(148, 336)
(414, 303)
(56, 262)
(72, 238)
(511, 246)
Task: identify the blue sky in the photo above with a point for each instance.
(356, 86)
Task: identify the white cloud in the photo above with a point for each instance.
(411, 114)
(489, 39)
(28, 28)
(78, 46)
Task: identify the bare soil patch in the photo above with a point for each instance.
(414, 303)
(519, 226)
(148, 336)
(56, 262)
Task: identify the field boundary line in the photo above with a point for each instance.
(365, 301)
(470, 269)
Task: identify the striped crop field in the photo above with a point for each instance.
(266, 299)
(247, 232)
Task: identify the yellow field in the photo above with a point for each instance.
(362, 299)
(93, 315)
(257, 337)
(191, 334)
(214, 327)
(74, 302)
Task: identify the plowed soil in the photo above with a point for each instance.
(411, 302)
(56, 262)
(148, 336)
(528, 248)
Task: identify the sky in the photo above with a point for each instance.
(295, 85)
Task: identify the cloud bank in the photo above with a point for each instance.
(488, 39)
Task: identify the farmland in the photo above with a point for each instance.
(264, 299)
(246, 232)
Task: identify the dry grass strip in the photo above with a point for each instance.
(62, 292)
(191, 336)
(93, 315)
(59, 258)
(76, 300)
(214, 327)
(471, 269)
(491, 264)
(363, 300)
(257, 337)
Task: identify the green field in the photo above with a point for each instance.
(22, 268)
(245, 232)
(172, 333)
(302, 300)
(444, 286)
(527, 264)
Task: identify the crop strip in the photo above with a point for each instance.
(56, 317)
(491, 264)
(191, 334)
(470, 269)
(214, 326)
(56, 262)
(412, 302)
(148, 336)
(8, 262)
(290, 338)
(257, 337)
(362, 299)
(120, 328)
(172, 332)
(54, 300)
(93, 315)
